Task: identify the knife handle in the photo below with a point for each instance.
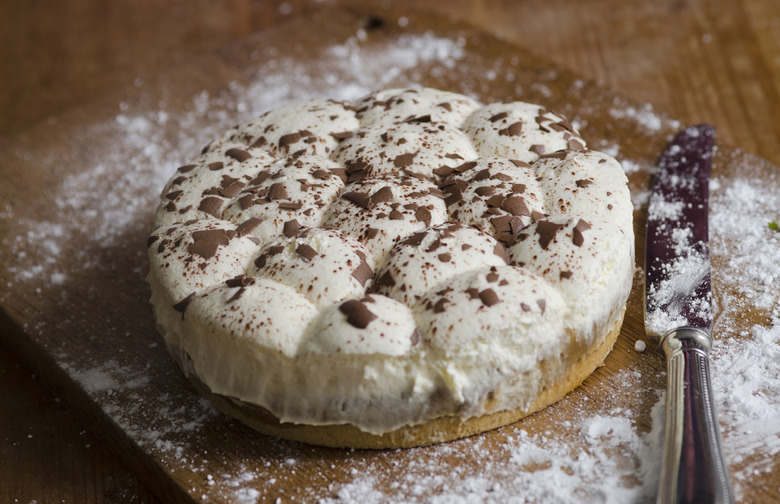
(693, 466)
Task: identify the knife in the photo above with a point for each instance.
(678, 311)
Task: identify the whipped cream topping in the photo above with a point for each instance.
(384, 262)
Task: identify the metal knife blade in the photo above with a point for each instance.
(678, 310)
(677, 252)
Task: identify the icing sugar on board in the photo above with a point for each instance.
(78, 199)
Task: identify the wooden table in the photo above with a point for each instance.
(696, 61)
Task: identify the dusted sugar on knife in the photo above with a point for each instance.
(409, 268)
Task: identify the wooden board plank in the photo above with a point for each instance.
(74, 260)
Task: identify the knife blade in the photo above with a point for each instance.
(678, 311)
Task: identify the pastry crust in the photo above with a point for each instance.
(438, 430)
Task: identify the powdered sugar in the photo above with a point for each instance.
(597, 453)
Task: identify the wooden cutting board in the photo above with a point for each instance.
(78, 195)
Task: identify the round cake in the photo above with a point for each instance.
(409, 268)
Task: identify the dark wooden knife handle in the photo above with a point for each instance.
(693, 470)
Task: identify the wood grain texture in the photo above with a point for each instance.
(715, 61)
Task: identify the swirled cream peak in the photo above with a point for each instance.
(428, 258)
(324, 265)
(380, 210)
(422, 104)
(369, 325)
(194, 255)
(521, 131)
(311, 127)
(415, 146)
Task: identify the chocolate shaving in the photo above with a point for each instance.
(212, 206)
(395, 215)
(561, 154)
(499, 116)
(362, 200)
(358, 314)
(443, 171)
(423, 215)
(291, 228)
(218, 236)
(496, 201)
(583, 182)
(577, 238)
(515, 205)
(514, 129)
(290, 205)
(415, 239)
(546, 231)
(205, 243)
(501, 224)
(277, 191)
(239, 155)
(286, 140)
(440, 305)
(260, 178)
(482, 175)
(518, 188)
(306, 252)
(231, 190)
(468, 165)
(382, 195)
(566, 274)
(404, 160)
(248, 225)
(260, 142)
(489, 297)
(363, 273)
(321, 174)
(246, 201)
(485, 190)
(420, 119)
(240, 281)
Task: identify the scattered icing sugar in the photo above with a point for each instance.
(644, 116)
(621, 461)
(689, 267)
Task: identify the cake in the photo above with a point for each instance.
(405, 269)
